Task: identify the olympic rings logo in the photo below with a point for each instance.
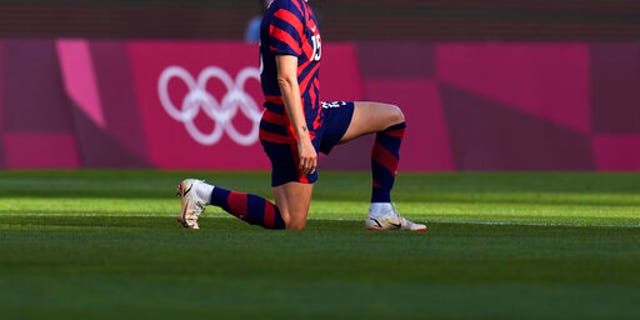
(221, 111)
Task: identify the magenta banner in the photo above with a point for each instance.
(197, 105)
(200, 104)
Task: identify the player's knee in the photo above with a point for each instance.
(296, 222)
(395, 115)
(296, 225)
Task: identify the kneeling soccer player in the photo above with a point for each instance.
(296, 126)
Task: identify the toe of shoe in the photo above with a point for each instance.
(419, 227)
(191, 226)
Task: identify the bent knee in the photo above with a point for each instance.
(296, 225)
(395, 115)
(296, 222)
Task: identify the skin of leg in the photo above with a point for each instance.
(293, 200)
(370, 117)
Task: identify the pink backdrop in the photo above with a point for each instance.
(195, 105)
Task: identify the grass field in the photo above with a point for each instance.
(105, 245)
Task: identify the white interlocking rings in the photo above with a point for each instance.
(221, 112)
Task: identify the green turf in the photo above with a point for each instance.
(105, 244)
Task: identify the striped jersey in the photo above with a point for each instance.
(289, 27)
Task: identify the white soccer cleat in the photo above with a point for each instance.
(192, 204)
(390, 219)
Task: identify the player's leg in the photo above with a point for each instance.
(388, 122)
(293, 199)
(291, 190)
(371, 117)
(251, 208)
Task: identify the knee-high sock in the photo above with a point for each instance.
(384, 161)
(250, 208)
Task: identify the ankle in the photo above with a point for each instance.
(204, 191)
(380, 208)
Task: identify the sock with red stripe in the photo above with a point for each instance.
(249, 208)
(385, 157)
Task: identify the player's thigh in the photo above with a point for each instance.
(370, 117)
(293, 200)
